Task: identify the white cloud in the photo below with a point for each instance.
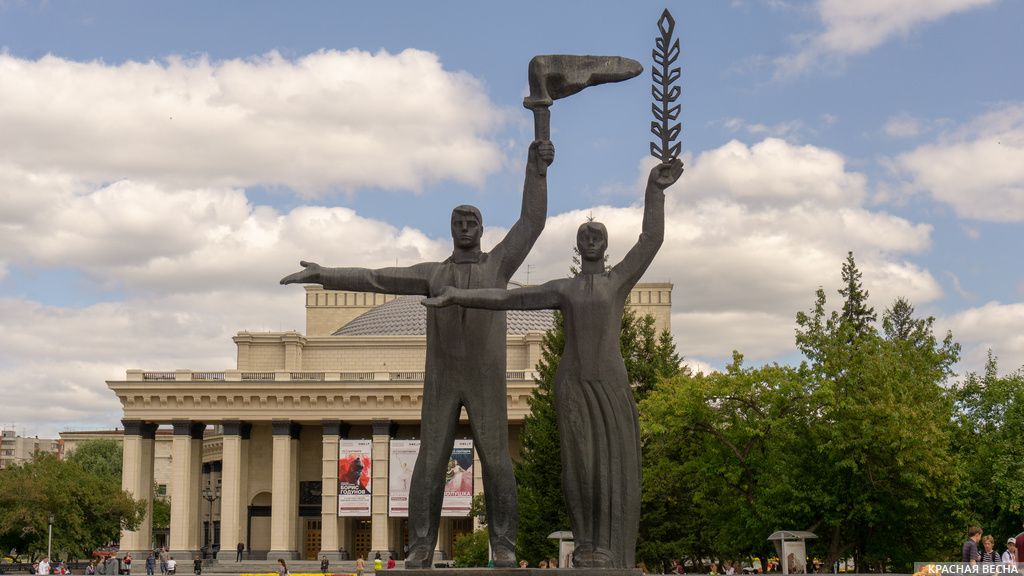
(751, 231)
(993, 326)
(790, 130)
(977, 169)
(856, 27)
(903, 126)
(328, 120)
(56, 360)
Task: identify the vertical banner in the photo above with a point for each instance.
(401, 462)
(458, 487)
(354, 477)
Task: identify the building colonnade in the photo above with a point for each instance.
(295, 462)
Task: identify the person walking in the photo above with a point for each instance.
(197, 565)
(360, 566)
(378, 564)
(989, 555)
(150, 564)
(164, 556)
(391, 562)
(44, 567)
(970, 553)
(282, 570)
(324, 565)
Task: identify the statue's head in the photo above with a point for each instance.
(467, 227)
(592, 241)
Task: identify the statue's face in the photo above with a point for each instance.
(592, 241)
(466, 230)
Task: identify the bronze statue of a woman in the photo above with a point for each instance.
(597, 416)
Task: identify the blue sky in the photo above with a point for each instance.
(162, 165)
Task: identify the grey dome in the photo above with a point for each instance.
(405, 316)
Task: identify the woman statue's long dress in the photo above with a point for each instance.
(597, 417)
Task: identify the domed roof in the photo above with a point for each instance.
(405, 316)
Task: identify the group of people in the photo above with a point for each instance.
(543, 564)
(45, 567)
(988, 553)
(378, 564)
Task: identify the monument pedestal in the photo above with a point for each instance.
(531, 571)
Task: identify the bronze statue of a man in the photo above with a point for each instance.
(466, 361)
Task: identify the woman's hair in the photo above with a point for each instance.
(592, 226)
(988, 538)
(281, 562)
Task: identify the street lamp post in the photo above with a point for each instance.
(210, 494)
(49, 539)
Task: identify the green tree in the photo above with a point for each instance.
(89, 510)
(539, 468)
(882, 439)
(101, 457)
(989, 423)
(723, 462)
(470, 550)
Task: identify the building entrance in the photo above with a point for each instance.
(363, 538)
(311, 540)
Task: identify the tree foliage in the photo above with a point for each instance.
(470, 550)
(722, 461)
(882, 429)
(857, 444)
(89, 509)
(989, 427)
(101, 457)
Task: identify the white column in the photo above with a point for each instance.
(329, 535)
(137, 479)
(232, 503)
(444, 539)
(380, 529)
(186, 465)
(478, 483)
(284, 491)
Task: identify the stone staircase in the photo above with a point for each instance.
(268, 566)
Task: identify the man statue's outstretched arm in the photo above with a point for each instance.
(512, 250)
(652, 234)
(409, 280)
(547, 296)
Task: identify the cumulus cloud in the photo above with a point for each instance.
(993, 326)
(56, 360)
(751, 231)
(978, 169)
(326, 121)
(851, 28)
(146, 237)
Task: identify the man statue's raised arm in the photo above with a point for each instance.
(512, 250)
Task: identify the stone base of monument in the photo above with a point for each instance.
(512, 572)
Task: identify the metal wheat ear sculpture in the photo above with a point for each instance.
(665, 91)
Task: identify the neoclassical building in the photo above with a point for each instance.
(252, 454)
